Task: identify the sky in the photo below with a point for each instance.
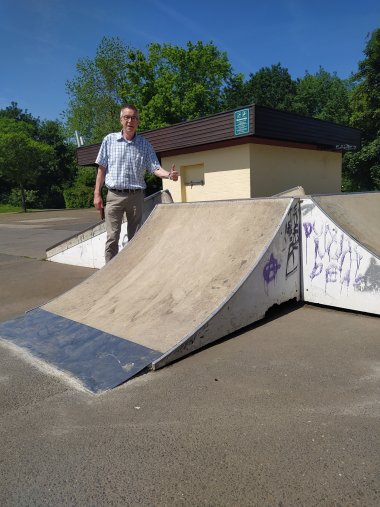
(41, 41)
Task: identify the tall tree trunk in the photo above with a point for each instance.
(23, 199)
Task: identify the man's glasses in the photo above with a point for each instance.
(132, 118)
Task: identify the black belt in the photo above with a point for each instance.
(125, 190)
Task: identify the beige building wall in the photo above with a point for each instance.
(252, 170)
(275, 169)
(225, 173)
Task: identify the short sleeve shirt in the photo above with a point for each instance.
(126, 161)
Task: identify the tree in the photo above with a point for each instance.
(271, 87)
(167, 83)
(59, 174)
(365, 99)
(179, 84)
(50, 180)
(361, 170)
(13, 112)
(81, 193)
(236, 93)
(324, 96)
(22, 158)
(95, 94)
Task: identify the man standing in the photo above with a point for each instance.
(122, 161)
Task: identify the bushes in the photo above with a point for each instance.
(81, 197)
(81, 194)
(31, 198)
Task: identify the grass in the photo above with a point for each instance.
(7, 208)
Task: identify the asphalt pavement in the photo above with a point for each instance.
(285, 413)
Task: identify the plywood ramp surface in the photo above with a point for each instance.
(182, 264)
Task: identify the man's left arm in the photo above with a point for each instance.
(164, 174)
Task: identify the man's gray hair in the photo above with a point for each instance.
(130, 106)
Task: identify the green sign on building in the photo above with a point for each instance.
(241, 122)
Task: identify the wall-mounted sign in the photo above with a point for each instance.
(241, 122)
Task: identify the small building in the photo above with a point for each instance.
(253, 151)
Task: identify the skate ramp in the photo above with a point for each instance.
(341, 250)
(291, 192)
(193, 273)
(86, 249)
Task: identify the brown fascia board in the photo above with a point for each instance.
(267, 126)
(275, 124)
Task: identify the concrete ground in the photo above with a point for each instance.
(285, 413)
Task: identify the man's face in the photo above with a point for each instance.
(130, 122)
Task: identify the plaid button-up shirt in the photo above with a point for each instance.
(126, 161)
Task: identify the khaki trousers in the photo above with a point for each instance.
(118, 203)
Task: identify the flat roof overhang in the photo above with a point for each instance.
(265, 126)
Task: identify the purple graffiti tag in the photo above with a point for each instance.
(318, 266)
(337, 259)
(331, 275)
(342, 259)
(270, 271)
(317, 270)
(317, 249)
(345, 280)
(308, 229)
(332, 246)
(359, 258)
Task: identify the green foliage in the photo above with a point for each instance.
(59, 175)
(178, 83)
(81, 193)
(13, 112)
(235, 93)
(153, 183)
(34, 157)
(324, 96)
(271, 87)
(361, 170)
(168, 84)
(95, 94)
(31, 198)
(365, 98)
(22, 158)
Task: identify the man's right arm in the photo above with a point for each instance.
(100, 177)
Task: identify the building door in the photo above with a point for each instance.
(193, 183)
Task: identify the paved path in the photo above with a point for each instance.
(286, 413)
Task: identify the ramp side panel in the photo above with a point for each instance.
(99, 360)
(74, 240)
(90, 252)
(86, 249)
(358, 214)
(337, 270)
(275, 279)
